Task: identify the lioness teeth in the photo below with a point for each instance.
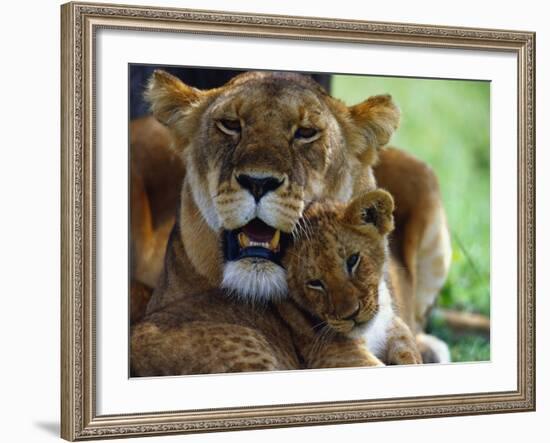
(244, 241)
(273, 244)
(260, 244)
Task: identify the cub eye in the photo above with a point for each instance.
(352, 262)
(306, 134)
(316, 284)
(229, 126)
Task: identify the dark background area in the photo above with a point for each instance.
(200, 78)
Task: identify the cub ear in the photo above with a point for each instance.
(377, 117)
(372, 208)
(169, 97)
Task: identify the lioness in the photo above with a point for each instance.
(256, 151)
(342, 307)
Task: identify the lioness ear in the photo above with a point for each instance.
(372, 208)
(378, 117)
(169, 97)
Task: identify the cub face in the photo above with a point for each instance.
(256, 150)
(336, 267)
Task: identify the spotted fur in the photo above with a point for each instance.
(210, 333)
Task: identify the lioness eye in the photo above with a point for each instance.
(306, 134)
(352, 262)
(231, 127)
(316, 284)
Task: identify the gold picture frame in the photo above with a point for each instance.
(80, 21)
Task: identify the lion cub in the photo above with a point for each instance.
(340, 305)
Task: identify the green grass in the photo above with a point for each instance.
(446, 124)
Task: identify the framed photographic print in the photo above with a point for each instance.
(282, 221)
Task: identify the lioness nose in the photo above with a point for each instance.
(258, 187)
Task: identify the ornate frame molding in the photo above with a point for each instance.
(79, 23)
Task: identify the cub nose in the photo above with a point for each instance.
(355, 311)
(258, 187)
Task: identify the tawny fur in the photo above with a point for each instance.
(270, 106)
(154, 170)
(210, 333)
(348, 315)
(421, 242)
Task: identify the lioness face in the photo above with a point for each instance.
(257, 150)
(337, 273)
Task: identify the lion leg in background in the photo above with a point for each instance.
(200, 347)
(432, 267)
(156, 175)
(422, 243)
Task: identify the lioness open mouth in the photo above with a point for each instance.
(256, 239)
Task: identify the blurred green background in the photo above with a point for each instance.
(446, 124)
